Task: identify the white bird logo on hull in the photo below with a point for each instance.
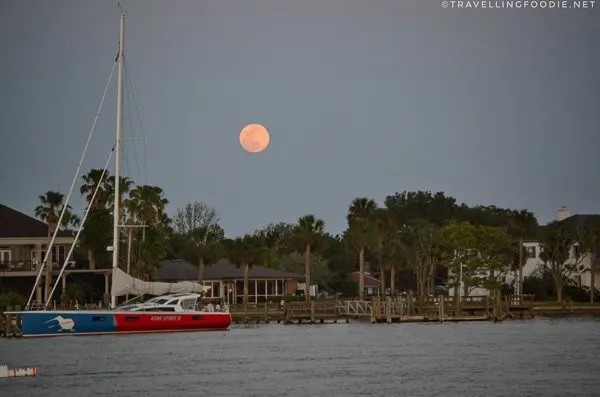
(65, 324)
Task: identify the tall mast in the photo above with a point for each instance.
(116, 215)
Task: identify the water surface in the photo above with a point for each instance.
(542, 357)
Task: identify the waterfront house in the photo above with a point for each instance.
(226, 280)
(23, 242)
(534, 264)
(590, 262)
(372, 285)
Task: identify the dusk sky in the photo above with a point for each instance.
(361, 97)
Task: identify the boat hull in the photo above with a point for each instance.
(62, 323)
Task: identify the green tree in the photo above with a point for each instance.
(495, 253)
(197, 236)
(95, 180)
(125, 187)
(361, 233)
(244, 252)
(522, 225)
(308, 235)
(421, 239)
(384, 235)
(559, 255)
(460, 241)
(410, 205)
(277, 238)
(590, 246)
(295, 262)
(49, 210)
(97, 233)
(146, 205)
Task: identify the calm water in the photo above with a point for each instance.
(533, 358)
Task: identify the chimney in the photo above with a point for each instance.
(563, 213)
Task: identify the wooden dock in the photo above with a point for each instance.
(385, 310)
(307, 312)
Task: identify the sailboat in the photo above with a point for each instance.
(174, 306)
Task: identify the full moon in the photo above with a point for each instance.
(254, 138)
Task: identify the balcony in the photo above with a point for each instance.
(25, 266)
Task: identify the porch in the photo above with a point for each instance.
(259, 290)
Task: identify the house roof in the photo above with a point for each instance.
(15, 224)
(573, 222)
(578, 221)
(370, 281)
(181, 270)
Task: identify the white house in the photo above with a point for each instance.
(534, 264)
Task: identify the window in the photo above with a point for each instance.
(5, 256)
(239, 287)
(531, 252)
(59, 254)
(270, 287)
(98, 318)
(196, 318)
(576, 251)
(174, 302)
(261, 287)
(215, 289)
(188, 304)
(159, 301)
(163, 309)
(132, 318)
(280, 289)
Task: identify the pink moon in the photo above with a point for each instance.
(254, 138)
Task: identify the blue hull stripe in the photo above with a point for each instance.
(54, 323)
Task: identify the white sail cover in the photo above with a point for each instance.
(123, 284)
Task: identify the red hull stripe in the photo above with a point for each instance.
(134, 322)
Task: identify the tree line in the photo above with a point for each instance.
(415, 235)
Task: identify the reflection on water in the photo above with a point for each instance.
(531, 358)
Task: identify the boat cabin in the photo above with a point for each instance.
(171, 303)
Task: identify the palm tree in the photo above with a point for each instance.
(51, 205)
(244, 252)
(522, 224)
(361, 216)
(307, 233)
(94, 180)
(146, 205)
(391, 246)
(96, 234)
(125, 186)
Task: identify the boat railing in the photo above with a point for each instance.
(213, 308)
(70, 305)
